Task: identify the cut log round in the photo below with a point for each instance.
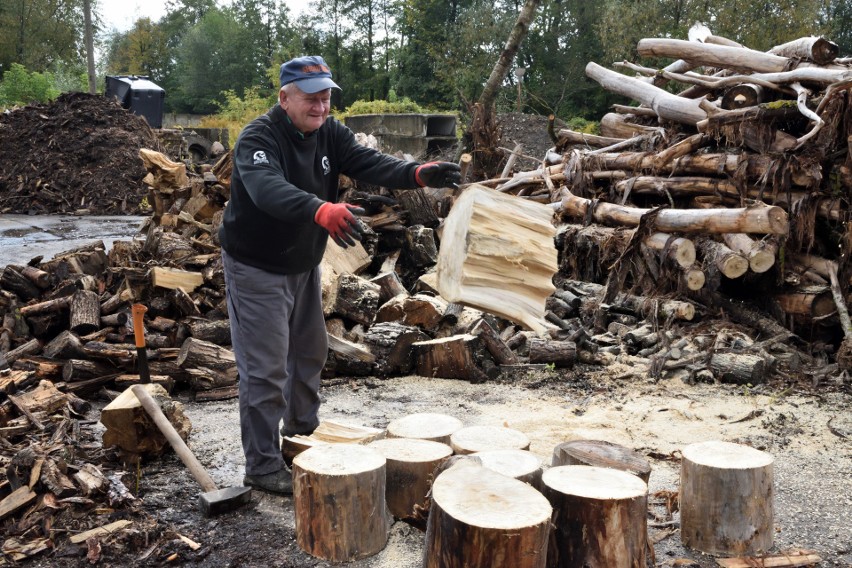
(482, 519)
(425, 426)
(522, 465)
(474, 439)
(410, 465)
(600, 453)
(600, 517)
(339, 502)
(560, 353)
(726, 499)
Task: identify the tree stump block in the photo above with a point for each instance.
(410, 465)
(339, 502)
(425, 426)
(599, 517)
(599, 453)
(474, 439)
(482, 519)
(726, 499)
(522, 465)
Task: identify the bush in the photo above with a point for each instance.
(579, 124)
(20, 87)
(236, 112)
(391, 106)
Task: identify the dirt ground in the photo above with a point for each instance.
(807, 433)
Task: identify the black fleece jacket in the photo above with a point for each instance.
(281, 177)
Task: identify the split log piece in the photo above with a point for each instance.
(129, 427)
(482, 519)
(195, 353)
(354, 298)
(420, 310)
(726, 498)
(600, 517)
(472, 439)
(425, 426)
(600, 453)
(496, 346)
(410, 465)
(390, 285)
(421, 246)
(454, 357)
(390, 344)
(66, 345)
(339, 501)
(218, 332)
(522, 465)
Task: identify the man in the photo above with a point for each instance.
(276, 225)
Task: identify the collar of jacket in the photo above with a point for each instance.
(279, 115)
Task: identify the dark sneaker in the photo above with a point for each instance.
(280, 482)
(286, 433)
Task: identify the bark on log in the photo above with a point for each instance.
(600, 453)
(496, 346)
(85, 313)
(599, 515)
(497, 255)
(339, 502)
(729, 263)
(354, 298)
(410, 465)
(218, 332)
(819, 50)
(391, 345)
(756, 219)
(425, 426)
(454, 357)
(420, 310)
(739, 368)
(66, 345)
(647, 307)
(693, 278)
(666, 105)
(808, 302)
(482, 519)
(130, 428)
(31, 347)
(618, 126)
(760, 254)
(389, 286)
(14, 281)
(195, 353)
(726, 499)
(559, 353)
(472, 439)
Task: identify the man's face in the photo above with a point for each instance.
(307, 111)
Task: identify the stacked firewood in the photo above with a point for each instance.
(730, 179)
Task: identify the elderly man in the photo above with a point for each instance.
(283, 208)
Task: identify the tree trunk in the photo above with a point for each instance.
(482, 519)
(726, 499)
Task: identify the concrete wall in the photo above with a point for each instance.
(172, 119)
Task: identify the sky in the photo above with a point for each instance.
(121, 14)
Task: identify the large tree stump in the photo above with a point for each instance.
(482, 519)
(425, 426)
(599, 516)
(522, 465)
(474, 439)
(599, 453)
(410, 465)
(726, 499)
(339, 502)
(497, 255)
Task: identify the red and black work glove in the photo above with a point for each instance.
(438, 174)
(339, 221)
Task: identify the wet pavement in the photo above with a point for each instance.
(23, 237)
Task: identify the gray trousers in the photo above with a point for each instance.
(280, 344)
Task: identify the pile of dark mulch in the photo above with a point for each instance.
(79, 152)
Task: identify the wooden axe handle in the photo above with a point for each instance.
(181, 449)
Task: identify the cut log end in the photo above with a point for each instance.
(474, 439)
(425, 426)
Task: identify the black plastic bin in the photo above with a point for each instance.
(139, 95)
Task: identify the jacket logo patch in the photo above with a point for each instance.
(326, 165)
(260, 158)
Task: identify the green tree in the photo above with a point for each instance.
(21, 87)
(141, 51)
(38, 33)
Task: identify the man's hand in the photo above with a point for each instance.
(438, 174)
(339, 221)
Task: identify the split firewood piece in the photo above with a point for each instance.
(102, 531)
(337, 261)
(55, 481)
(126, 381)
(16, 282)
(420, 246)
(496, 346)
(497, 255)
(352, 297)
(729, 263)
(172, 278)
(90, 479)
(340, 485)
(600, 516)
(195, 353)
(163, 174)
(759, 218)
(350, 349)
(129, 427)
(454, 357)
(43, 398)
(329, 432)
(19, 498)
(559, 353)
(85, 312)
(390, 343)
(390, 286)
(726, 498)
(420, 310)
(522, 465)
(760, 254)
(410, 465)
(472, 439)
(479, 518)
(600, 453)
(218, 332)
(425, 426)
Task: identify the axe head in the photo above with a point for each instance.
(223, 500)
